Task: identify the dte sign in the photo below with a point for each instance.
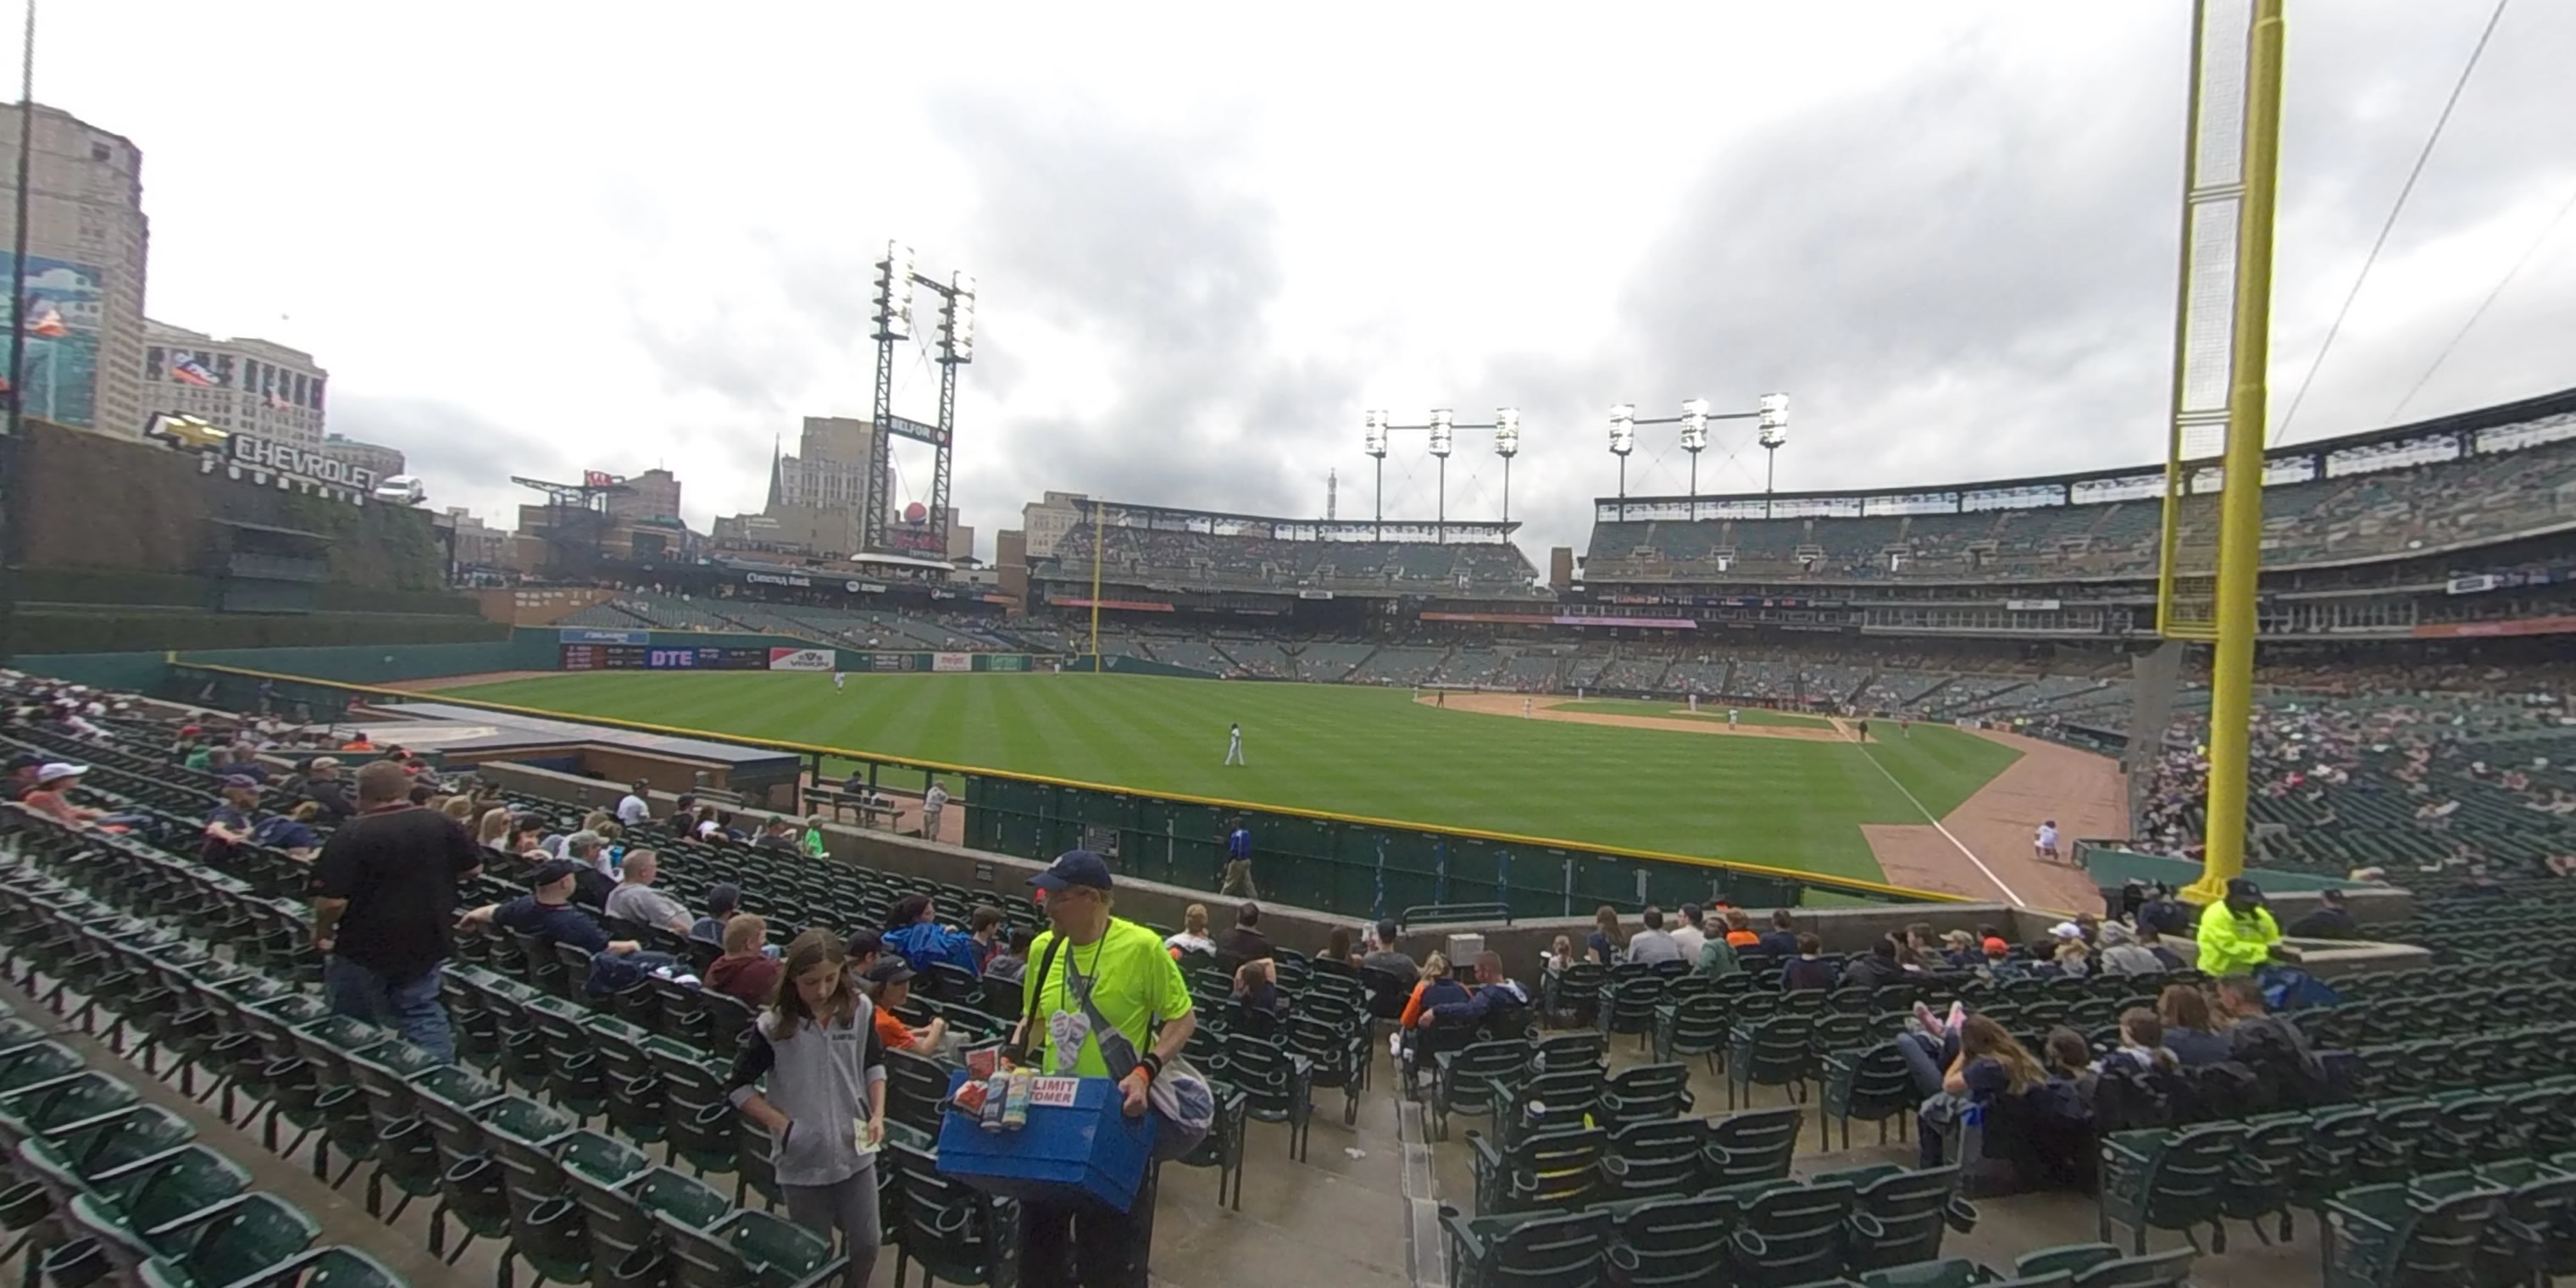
(668, 659)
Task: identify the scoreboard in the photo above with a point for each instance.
(651, 657)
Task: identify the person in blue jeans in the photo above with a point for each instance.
(384, 906)
(1959, 1064)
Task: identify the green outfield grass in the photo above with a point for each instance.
(1348, 749)
(1668, 710)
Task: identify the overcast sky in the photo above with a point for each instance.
(537, 238)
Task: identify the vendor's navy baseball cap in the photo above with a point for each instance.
(1073, 868)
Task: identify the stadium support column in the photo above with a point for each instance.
(1441, 432)
(12, 453)
(2240, 529)
(894, 322)
(18, 257)
(1099, 539)
(940, 463)
(1623, 440)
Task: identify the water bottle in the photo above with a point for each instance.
(1024, 1084)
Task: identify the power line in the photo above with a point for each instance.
(2394, 211)
(2481, 311)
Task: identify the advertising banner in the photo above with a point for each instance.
(1564, 619)
(800, 659)
(2031, 605)
(952, 661)
(60, 320)
(2475, 583)
(1130, 605)
(1006, 662)
(638, 657)
(581, 635)
(890, 661)
(2558, 625)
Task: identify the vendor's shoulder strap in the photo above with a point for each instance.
(1116, 1050)
(1031, 1026)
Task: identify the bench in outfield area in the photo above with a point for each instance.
(834, 800)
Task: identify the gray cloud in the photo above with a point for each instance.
(1958, 277)
(464, 457)
(1125, 237)
(1963, 271)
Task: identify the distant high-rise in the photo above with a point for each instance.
(819, 497)
(375, 458)
(87, 245)
(253, 387)
(651, 495)
(1043, 523)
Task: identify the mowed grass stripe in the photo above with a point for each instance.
(1670, 710)
(1343, 749)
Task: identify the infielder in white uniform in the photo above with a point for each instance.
(1234, 745)
(1525, 708)
(1730, 717)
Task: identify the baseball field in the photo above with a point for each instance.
(1788, 791)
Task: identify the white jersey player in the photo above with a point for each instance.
(839, 681)
(1525, 708)
(1234, 745)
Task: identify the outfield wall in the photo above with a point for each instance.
(527, 648)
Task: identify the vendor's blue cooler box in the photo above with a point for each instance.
(1089, 1149)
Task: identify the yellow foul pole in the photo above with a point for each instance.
(2240, 528)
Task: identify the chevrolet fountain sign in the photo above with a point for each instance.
(262, 462)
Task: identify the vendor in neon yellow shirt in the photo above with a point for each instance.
(2238, 933)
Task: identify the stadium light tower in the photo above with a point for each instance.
(1443, 428)
(1440, 434)
(1694, 441)
(1623, 440)
(1373, 440)
(1772, 419)
(955, 341)
(1771, 416)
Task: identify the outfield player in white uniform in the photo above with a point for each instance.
(1525, 708)
(1234, 745)
(839, 680)
(1730, 717)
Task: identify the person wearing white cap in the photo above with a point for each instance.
(52, 782)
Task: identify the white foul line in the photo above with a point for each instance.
(2009, 896)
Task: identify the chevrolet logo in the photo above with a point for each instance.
(187, 433)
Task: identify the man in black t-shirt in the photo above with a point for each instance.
(2331, 920)
(386, 907)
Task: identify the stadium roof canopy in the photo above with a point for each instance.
(1226, 524)
(2503, 427)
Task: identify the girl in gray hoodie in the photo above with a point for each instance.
(824, 1101)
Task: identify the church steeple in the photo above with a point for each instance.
(776, 482)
